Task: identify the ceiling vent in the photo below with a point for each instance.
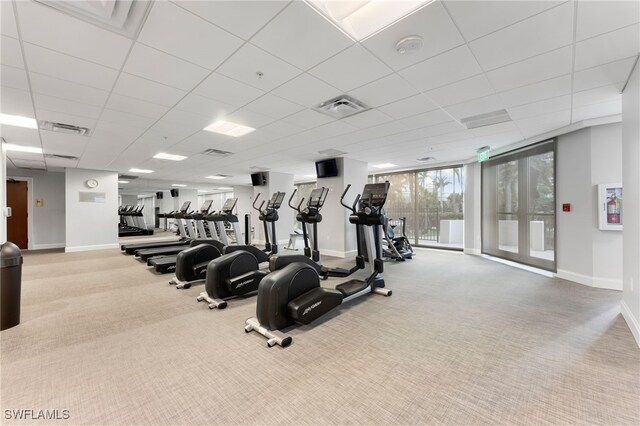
(341, 107)
(331, 152)
(69, 129)
(29, 164)
(425, 159)
(217, 153)
(62, 157)
(486, 119)
(124, 17)
(259, 168)
(127, 177)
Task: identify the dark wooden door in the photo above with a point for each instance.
(17, 230)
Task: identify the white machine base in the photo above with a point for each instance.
(274, 337)
(213, 303)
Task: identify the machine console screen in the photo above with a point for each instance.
(206, 206)
(376, 193)
(185, 206)
(229, 205)
(279, 198)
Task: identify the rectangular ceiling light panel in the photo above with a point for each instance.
(228, 128)
(18, 121)
(172, 157)
(134, 170)
(21, 148)
(487, 119)
(363, 18)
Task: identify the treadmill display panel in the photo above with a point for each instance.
(229, 205)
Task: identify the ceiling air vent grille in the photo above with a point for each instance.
(425, 159)
(62, 157)
(29, 164)
(217, 153)
(331, 152)
(69, 129)
(341, 107)
(259, 168)
(486, 119)
(127, 177)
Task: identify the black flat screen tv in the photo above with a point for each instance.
(259, 179)
(159, 195)
(327, 168)
(175, 193)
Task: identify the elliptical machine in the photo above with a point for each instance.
(293, 294)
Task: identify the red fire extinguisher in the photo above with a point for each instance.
(613, 210)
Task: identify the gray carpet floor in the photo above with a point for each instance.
(463, 340)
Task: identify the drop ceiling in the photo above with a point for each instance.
(267, 64)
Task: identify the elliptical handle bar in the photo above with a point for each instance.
(255, 201)
(352, 208)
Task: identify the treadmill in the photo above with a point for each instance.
(131, 248)
(147, 253)
(217, 222)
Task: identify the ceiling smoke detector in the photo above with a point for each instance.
(69, 129)
(486, 119)
(409, 45)
(341, 107)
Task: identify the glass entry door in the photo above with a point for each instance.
(518, 206)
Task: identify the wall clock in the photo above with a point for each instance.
(91, 183)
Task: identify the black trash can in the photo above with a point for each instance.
(10, 285)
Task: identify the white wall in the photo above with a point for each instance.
(282, 182)
(472, 209)
(631, 203)
(3, 194)
(91, 226)
(47, 223)
(187, 195)
(356, 174)
(245, 198)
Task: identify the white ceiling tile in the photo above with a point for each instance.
(163, 68)
(369, 118)
(611, 73)
(409, 106)
(350, 68)
(384, 91)
(273, 106)
(242, 18)
(461, 91)
(227, 90)
(51, 103)
(423, 120)
(560, 103)
(60, 163)
(147, 90)
(249, 118)
(65, 117)
(65, 67)
(446, 68)
(307, 90)
(540, 124)
(300, 36)
(334, 128)
(20, 135)
(609, 93)
(537, 91)
(204, 106)
(597, 110)
(249, 60)
(541, 33)
(194, 40)
(529, 71)
(126, 119)
(10, 52)
(308, 118)
(63, 144)
(598, 17)
(476, 106)
(432, 23)
(66, 90)
(478, 18)
(507, 127)
(8, 23)
(13, 77)
(61, 33)
(118, 131)
(608, 47)
(135, 106)
(16, 102)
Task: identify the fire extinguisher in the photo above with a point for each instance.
(613, 210)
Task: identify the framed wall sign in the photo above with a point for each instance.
(610, 215)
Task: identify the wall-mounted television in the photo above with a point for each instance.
(258, 179)
(327, 168)
(159, 195)
(175, 193)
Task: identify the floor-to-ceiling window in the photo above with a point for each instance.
(431, 202)
(518, 206)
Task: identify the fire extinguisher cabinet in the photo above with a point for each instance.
(10, 285)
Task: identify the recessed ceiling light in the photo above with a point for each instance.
(384, 165)
(204, 191)
(172, 157)
(228, 128)
(134, 170)
(123, 181)
(218, 177)
(179, 185)
(225, 188)
(363, 18)
(18, 120)
(20, 148)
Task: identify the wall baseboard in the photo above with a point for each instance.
(89, 248)
(632, 322)
(47, 246)
(596, 282)
(476, 252)
(336, 253)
